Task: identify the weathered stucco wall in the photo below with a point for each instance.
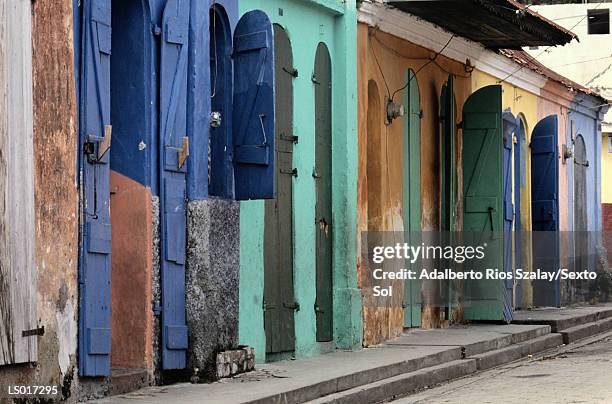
(55, 200)
(395, 57)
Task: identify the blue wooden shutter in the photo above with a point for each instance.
(253, 115)
(173, 141)
(94, 270)
(545, 208)
(508, 128)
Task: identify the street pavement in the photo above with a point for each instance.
(580, 373)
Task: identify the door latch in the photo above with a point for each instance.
(182, 152)
(96, 147)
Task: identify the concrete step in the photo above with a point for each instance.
(401, 385)
(586, 330)
(404, 384)
(122, 381)
(515, 352)
(562, 319)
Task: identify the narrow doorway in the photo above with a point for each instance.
(279, 301)
(130, 191)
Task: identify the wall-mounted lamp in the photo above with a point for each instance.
(567, 153)
(393, 111)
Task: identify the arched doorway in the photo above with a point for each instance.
(279, 301)
(374, 161)
(323, 184)
(219, 177)
(581, 226)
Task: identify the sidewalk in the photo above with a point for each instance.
(416, 359)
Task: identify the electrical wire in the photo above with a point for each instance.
(380, 69)
(401, 55)
(422, 67)
(546, 50)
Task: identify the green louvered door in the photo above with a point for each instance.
(411, 194)
(483, 199)
(279, 301)
(323, 183)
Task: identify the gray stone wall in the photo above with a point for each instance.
(213, 267)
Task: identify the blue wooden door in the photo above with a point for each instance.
(253, 113)
(545, 208)
(94, 139)
(173, 152)
(508, 128)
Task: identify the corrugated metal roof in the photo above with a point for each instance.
(494, 23)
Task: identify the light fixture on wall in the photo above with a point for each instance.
(393, 110)
(567, 153)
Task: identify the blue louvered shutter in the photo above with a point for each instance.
(253, 115)
(173, 141)
(94, 126)
(545, 208)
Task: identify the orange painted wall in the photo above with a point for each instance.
(131, 285)
(395, 56)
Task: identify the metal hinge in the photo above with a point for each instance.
(289, 138)
(295, 306)
(33, 332)
(293, 72)
(293, 172)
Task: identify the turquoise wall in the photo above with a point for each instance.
(307, 23)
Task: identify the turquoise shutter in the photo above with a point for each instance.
(253, 114)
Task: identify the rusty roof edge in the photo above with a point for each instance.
(524, 59)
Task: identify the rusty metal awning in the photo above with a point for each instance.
(494, 23)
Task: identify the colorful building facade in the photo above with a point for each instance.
(530, 184)
(298, 289)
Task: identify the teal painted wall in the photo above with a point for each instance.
(307, 23)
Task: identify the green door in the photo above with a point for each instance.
(483, 199)
(411, 194)
(448, 127)
(447, 154)
(279, 302)
(323, 180)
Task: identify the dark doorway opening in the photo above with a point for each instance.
(219, 165)
(130, 197)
